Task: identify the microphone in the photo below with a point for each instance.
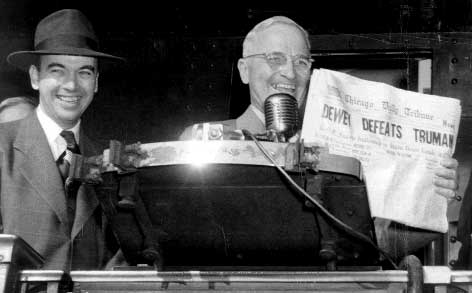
(281, 120)
(281, 116)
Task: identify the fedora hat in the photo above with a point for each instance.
(64, 32)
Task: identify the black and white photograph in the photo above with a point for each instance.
(227, 147)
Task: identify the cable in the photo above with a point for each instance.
(323, 210)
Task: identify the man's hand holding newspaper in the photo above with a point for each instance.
(446, 178)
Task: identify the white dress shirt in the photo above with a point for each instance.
(56, 142)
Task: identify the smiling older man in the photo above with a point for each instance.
(276, 59)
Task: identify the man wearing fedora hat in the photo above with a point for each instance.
(63, 222)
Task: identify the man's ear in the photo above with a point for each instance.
(95, 90)
(34, 77)
(243, 70)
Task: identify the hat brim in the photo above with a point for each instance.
(24, 59)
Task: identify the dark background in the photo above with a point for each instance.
(181, 65)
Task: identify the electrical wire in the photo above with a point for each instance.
(323, 210)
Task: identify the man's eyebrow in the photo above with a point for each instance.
(89, 67)
(55, 64)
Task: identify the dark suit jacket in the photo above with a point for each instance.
(33, 203)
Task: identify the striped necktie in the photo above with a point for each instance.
(65, 158)
(71, 187)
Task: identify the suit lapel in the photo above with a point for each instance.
(86, 198)
(85, 206)
(38, 166)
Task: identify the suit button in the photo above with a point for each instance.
(350, 212)
(453, 239)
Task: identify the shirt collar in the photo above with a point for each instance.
(53, 130)
(258, 113)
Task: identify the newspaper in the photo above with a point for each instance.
(399, 136)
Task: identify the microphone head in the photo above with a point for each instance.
(281, 114)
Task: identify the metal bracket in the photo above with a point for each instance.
(85, 170)
(127, 190)
(125, 158)
(299, 157)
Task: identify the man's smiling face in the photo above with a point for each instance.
(66, 86)
(264, 79)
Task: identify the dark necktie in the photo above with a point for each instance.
(71, 188)
(65, 157)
